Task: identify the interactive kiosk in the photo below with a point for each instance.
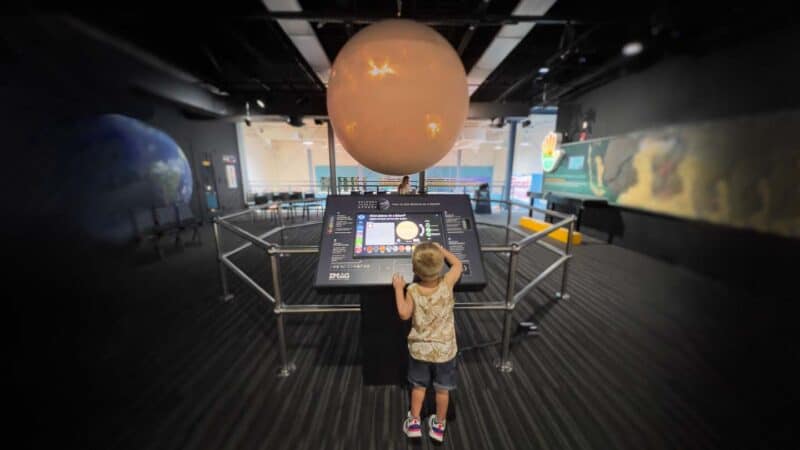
(366, 239)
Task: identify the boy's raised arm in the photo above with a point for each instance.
(452, 276)
(405, 304)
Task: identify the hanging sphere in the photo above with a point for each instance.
(397, 97)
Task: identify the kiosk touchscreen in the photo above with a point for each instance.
(366, 239)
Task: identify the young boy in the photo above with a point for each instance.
(432, 340)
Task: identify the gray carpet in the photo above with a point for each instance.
(636, 359)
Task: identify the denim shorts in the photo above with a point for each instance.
(444, 374)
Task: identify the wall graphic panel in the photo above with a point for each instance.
(742, 172)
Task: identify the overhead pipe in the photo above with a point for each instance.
(549, 62)
(487, 21)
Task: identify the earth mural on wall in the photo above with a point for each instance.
(743, 172)
(109, 166)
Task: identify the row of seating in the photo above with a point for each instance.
(287, 202)
(153, 224)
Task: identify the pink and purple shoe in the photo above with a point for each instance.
(435, 428)
(412, 427)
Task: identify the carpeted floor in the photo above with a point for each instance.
(643, 355)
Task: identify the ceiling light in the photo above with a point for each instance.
(544, 70)
(497, 147)
(525, 144)
(308, 142)
(632, 48)
(497, 122)
(295, 121)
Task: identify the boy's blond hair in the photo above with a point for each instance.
(427, 261)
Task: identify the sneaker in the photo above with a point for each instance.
(435, 428)
(412, 427)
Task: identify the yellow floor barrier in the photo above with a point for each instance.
(559, 234)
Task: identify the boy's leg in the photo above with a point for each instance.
(445, 380)
(417, 397)
(442, 399)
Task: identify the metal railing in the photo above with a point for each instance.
(276, 250)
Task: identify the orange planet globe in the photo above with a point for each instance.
(397, 97)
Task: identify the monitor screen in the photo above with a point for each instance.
(395, 235)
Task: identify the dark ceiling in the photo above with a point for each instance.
(237, 47)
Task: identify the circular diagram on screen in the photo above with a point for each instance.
(407, 230)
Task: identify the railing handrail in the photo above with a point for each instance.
(274, 250)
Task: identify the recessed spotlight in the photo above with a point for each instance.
(308, 142)
(497, 147)
(544, 70)
(525, 144)
(260, 103)
(632, 48)
(295, 121)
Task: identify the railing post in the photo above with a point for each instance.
(286, 367)
(508, 220)
(280, 221)
(223, 277)
(504, 364)
(562, 294)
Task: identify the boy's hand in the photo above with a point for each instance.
(398, 282)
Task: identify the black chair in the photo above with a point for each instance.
(167, 223)
(258, 200)
(483, 203)
(296, 201)
(187, 220)
(145, 228)
(310, 201)
(284, 198)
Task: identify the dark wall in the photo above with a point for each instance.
(200, 139)
(749, 78)
(31, 119)
(63, 289)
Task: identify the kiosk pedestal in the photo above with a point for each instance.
(365, 239)
(384, 349)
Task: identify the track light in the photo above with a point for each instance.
(261, 103)
(247, 114)
(544, 70)
(295, 121)
(526, 123)
(632, 48)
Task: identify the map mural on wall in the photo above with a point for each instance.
(742, 172)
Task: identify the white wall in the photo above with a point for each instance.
(528, 158)
(276, 157)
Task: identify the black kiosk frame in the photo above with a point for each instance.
(276, 250)
(367, 239)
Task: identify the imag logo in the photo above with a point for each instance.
(338, 276)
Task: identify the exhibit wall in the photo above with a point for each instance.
(739, 172)
(677, 214)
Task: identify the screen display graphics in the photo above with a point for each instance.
(395, 235)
